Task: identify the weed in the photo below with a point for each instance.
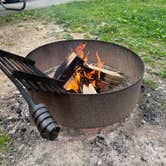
(163, 73)
(151, 83)
(68, 37)
(10, 43)
(4, 140)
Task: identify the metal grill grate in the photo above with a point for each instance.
(24, 72)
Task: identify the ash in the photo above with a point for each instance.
(140, 140)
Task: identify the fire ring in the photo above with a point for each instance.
(94, 110)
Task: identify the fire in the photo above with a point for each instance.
(80, 50)
(75, 81)
(81, 75)
(99, 64)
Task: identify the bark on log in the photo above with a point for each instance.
(108, 76)
(68, 67)
(104, 86)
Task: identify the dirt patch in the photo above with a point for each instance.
(24, 37)
(138, 141)
(21, 38)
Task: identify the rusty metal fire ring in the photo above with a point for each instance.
(96, 110)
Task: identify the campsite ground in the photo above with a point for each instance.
(138, 25)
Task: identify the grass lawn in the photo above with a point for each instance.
(138, 24)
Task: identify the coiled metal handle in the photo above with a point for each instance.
(44, 122)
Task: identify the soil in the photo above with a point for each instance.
(140, 140)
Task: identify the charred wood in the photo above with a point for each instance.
(68, 67)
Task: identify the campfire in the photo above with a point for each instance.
(96, 85)
(79, 76)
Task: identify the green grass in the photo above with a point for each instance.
(151, 83)
(10, 44)
(4, 141)
(138, 24)
(163, 73)
(4, 144)
(68, 36)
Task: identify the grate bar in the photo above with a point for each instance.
(41, 81)
(16, 57)
(25, 72)
(8, 67)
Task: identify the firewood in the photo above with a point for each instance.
(68, 67)
(104, 86)
(85, 89)
(92, 89)
(108, 76)
(71, 81)
(89, 89)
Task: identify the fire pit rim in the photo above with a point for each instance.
(92, 40)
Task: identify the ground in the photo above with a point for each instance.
(140, 140)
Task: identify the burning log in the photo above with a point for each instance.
(89, 89)
(108, 76)
(68, 67)
(71, 85)
(75, 74)
(104, 86)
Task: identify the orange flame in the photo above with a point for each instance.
(74, 83)
(99, 64)
(80, 50)
(80, 73)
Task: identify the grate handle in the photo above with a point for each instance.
(46, 125)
